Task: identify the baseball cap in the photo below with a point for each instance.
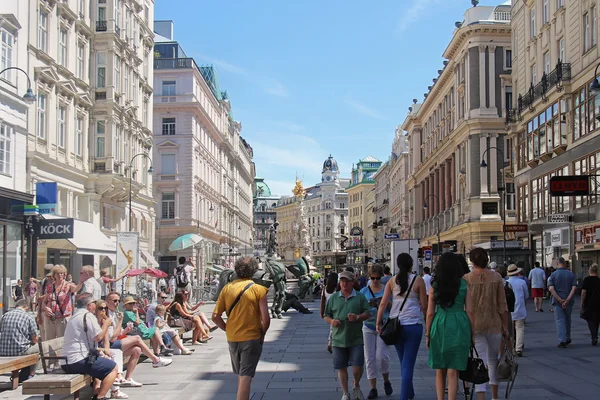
(348, 275)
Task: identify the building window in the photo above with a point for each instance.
(167, 164)
(81, 8)
(547, 62)
(62, 47)
(145, 112)
(169, 89)
(81, 61)
(585, 112)
(594, 39)
(589, 165)
(41, 116)
(117, 143)
(544, 134)
(6, 132)
(168, 205)
(6, 54)
(168, 126)
(118, 13)
(533, 74)
(117, 74)
(532, 30)
(61, 129)
(79, 134)
(586, 32)
(560, 3)
(561, 49)
(508, 59)
(100, 139)
(43, 31)
(546, 12)
(101, 69)
(510, 197)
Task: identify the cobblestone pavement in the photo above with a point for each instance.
(296, 365)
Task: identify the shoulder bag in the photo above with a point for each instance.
(238, 298)
(476, 372)
(392, 328)
(507, 366)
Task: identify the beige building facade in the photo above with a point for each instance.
(554, 126)
(459, 124)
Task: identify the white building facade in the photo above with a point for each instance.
(203, 168)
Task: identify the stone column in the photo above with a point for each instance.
(482, 77)
(492, 76)
(441, 184)
(448, 184)
(425, 200)
(431, 200)
(453, 175)
(483, 171)
(494, 164)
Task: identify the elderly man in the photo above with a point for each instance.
(519, 287)
(345, 312)
(132, 346)
(81, 335)
(88, 284)
(562, 285)
(18, 333)
(245, 304)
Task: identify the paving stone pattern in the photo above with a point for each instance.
(296, 365)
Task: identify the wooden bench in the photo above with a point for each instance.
(54, 380)
(14, 364)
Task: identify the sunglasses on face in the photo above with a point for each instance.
(163, 297)
(185, 293)
(116, 301)
(102, 308)
(375, 278)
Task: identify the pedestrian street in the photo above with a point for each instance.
(296, 365)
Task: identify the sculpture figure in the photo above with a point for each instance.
(300, 270)
(272, 243)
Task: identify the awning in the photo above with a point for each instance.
(149, 259)
(88, 240)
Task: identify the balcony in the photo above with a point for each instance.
(101, 26)
(173, 63)
(562, 73)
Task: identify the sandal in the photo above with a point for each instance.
(117, 394)
(214, 328)
(186, 352)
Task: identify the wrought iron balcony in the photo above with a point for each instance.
(172, 63)
(100, 26)
(561, 73)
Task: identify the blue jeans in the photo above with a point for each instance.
(562, 316)
(407, 349)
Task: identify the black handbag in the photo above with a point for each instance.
(585, 313)
(476, 372)
(390, 332)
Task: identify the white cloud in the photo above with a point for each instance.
(277, 90)
(363, 109)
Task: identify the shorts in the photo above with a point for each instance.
(537, 292)
(245, 356)
(100, 369)
(344, 357)
(116, 345)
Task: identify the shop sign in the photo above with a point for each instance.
(558, 218)
(510, 244)
(570, 185)
(46, 196)
(54, 228)
(516, 228)
(391, 236)
(587, 234)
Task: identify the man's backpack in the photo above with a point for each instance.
(510, 297)
(181, 277)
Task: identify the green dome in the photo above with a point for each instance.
(262, 189)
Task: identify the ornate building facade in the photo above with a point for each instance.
(264, 204)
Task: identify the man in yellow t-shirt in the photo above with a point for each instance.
(245, 304)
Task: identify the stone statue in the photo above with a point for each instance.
(272, 241)
(300, 270)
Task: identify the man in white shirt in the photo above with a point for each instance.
(81, 334)
(519, 287)
(427, 278)
(537, 277)
(87, 283)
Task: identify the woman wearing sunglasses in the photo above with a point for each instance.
(113, 354)
(377, 354)
(192, 310)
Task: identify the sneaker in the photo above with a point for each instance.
(162, 362)
(562, 345)
(519, 354)
(165, 351)
(372, 394)
(569, 341)
(541, 310)
(345, 397)
(130, 383)
(387, 386)
(595, 342)
(357, 394)
(176, 352)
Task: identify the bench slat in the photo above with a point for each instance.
(9, 364)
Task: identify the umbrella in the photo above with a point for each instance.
(185, 241)
(155, 273)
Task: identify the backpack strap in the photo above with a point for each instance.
(238, 298)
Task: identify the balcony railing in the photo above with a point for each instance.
(172, 63)
(101, 26)
(561, 73)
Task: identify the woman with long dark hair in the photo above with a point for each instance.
(448, 329)
(330, 288)
(407, 285)
(190, 321)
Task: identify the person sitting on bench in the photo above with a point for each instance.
(81, 335)
(18, 333)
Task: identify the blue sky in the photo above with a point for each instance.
(307, 78)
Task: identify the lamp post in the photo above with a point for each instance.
(595, 86)
(29, 97)
(439, 250)
(211, 209)
(131, 182)
(503, 198)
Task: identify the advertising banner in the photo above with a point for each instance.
(128, 250)
(46, 197)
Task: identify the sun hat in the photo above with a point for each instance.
(348, 275)
(513, 270)
(128, 300)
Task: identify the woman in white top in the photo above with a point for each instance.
(328, 290)
(412, 286)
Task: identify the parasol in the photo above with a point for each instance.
(185, 241)
(155, 273)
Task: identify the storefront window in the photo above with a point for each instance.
(11, 247)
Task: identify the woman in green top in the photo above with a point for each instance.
(132, 315)
(449, 327)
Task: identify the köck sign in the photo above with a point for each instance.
(55, 228)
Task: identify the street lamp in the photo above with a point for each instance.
(439, 250)
(211, 209)
(503, 190)
(595, 86)
(29, 97)
(131, 183)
